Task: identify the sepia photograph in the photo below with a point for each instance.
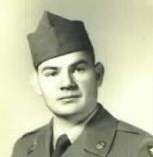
(76, 78)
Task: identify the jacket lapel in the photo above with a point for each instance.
(41, 145)
(97, 138)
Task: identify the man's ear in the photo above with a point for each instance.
(99, 68)
(35, 83)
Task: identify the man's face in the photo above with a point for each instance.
(69, 84)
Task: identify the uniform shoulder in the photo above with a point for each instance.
(29, 136)
(139, 141)
(28, 141)
(30, 133)
(33, 132)
(128, 128)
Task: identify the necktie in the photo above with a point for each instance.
(61, 145)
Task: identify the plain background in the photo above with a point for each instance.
(122, 34)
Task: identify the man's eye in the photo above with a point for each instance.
(54, 73)
(79, 69)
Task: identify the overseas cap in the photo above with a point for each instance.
(56, 36)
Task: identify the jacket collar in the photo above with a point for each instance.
(41, 144)
(97, 137)
(95, 140)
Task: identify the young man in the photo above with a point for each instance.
(68, 78)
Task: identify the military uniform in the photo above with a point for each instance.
(104, 136)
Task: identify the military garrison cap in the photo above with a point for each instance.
(56, 36)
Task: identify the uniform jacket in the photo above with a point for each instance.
(104, 136)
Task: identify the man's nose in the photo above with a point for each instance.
(67, 82)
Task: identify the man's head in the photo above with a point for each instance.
(66, 74)
(69, 83)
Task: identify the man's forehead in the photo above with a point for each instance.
(68, 59)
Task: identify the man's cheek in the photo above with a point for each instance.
(86, 87)
(88, 82)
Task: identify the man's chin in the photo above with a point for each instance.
(64, 115)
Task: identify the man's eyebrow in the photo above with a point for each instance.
(49, 68)
(80, 62)
(73, 64)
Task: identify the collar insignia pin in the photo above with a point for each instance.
(100, 145)
(32, 147)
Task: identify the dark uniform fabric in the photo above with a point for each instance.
(104, 136)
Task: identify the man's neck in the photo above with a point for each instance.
(71, 128)
(68, 122)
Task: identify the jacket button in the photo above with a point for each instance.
(100, 145)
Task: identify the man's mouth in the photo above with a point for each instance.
(69, 97)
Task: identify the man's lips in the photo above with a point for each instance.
(68, 97)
